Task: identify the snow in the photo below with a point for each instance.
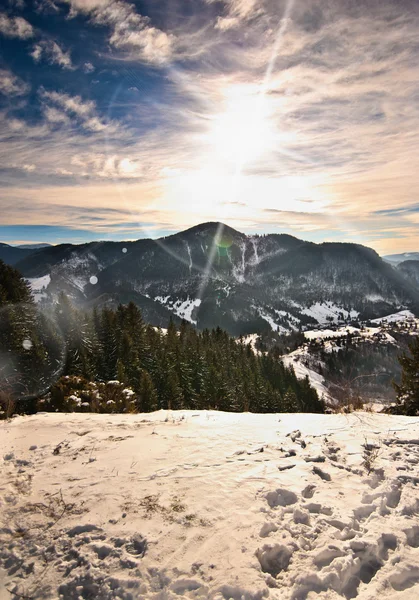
(182, 308)
(394, 318)
(250, 340)
(374, 298)
(366, 333)
(38, 286)
(269, 319)
(195, 504)
(39, 283)
(296, 360)
(189, 257)
(326, 311)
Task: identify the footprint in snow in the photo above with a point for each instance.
(322, 474)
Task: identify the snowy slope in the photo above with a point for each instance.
(209, 505)
(402, 315)
(298, 360)
(328, 311)
(38, 286)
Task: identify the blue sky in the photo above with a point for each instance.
(121, 119)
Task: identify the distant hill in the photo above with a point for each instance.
(410, 270)
(395, 259)
(33, 246)
(12, 254)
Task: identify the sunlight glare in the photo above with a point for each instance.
(242, 132)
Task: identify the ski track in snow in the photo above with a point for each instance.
(197, 504)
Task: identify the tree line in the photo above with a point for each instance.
(177, 368)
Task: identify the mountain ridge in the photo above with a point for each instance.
(212, 274)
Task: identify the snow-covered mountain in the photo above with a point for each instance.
(214, 275)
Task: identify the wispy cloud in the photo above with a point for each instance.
(295, 115)
(129, 30)
(66, 108)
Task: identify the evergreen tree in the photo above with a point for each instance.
(147, 395)
(182, 368)
(408, 390)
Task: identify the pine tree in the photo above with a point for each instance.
(290, 403)
(147, 395)
(408, 390)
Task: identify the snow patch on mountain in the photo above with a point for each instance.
(326, 312)
(299, 360)
(293, 322)
(38, 286)
(364, 332)
(374, 298)
(395, 317)
(181, 308)
(269, 319)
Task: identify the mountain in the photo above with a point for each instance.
(214, 275)
(33, 246)
(395, 259)
(410, 270)
(13, 254)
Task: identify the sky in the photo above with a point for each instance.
(123, 119)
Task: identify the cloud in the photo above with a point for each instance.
(55, 116)
(11, 85)
(130, 31)
(52, 53)
(88, 67)
(15, 27)
(71, 104)
(19, 4)
(68, 108)
(329, 95)
(238, 11)
(46, 6)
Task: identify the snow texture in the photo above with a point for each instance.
(182, 308)
(207, 505)
(326, 311)
(38, 286)
(394, 318)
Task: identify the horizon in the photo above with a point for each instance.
(127, 119)
(24, 243)
(46, 244)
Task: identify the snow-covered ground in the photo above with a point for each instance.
(402, 315)
(209, 505)
(365, 332)
(38, 286)
(326, 311)
(298, 360)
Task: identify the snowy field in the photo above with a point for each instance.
(212, 505)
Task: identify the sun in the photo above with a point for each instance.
(242, 132)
